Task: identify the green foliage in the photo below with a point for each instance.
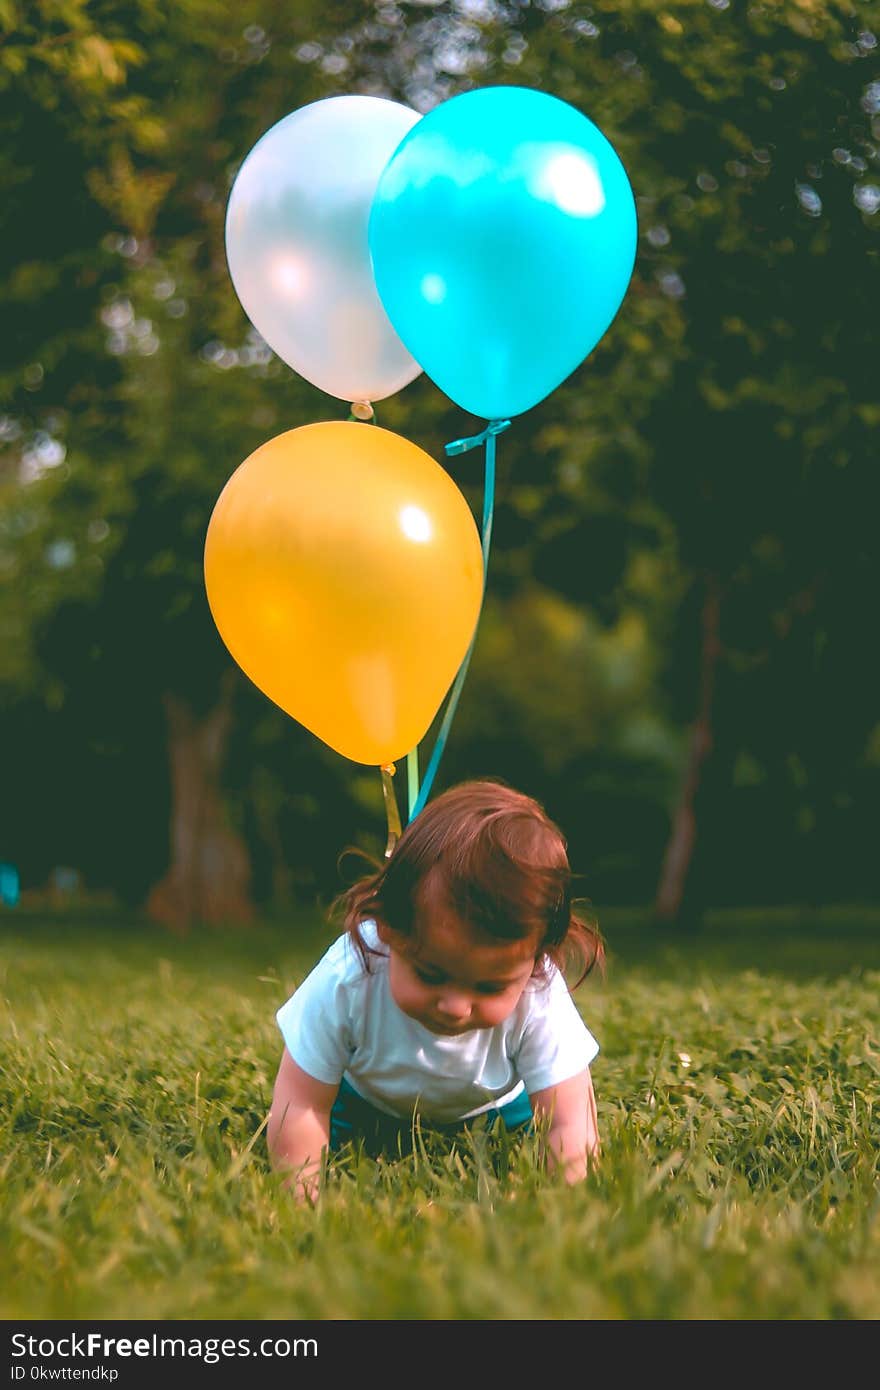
(738, 1103)
(722, 432)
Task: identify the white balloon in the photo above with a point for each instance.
(297, 245)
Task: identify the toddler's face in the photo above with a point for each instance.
(454, 983)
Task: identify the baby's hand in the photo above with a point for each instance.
(569, 1110)
(298, 1132)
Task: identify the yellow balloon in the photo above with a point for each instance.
(344, 572)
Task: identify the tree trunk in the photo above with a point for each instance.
(208, 879)
(670, 900)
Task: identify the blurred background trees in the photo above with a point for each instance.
(674, 653)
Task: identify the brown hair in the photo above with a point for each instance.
(498, 861)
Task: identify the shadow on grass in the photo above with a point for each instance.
(801, 943)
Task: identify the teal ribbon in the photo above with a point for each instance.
(463, 446)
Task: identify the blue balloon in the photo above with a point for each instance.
(502, 237)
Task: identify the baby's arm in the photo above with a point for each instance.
(298, 1131)
(573, 1134)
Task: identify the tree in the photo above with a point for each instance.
(120, 436)
(751, 136)
(646, 531)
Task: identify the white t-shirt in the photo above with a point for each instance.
(343, 1022)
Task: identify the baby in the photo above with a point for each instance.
(444, 998)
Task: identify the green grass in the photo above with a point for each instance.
(739, 1099)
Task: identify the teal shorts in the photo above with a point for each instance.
(352, 1117)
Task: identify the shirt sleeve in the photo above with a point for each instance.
(314, 1021)
(555, 1042)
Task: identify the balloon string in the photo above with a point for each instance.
(461, 446)
(391, 812)
(412, 777)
